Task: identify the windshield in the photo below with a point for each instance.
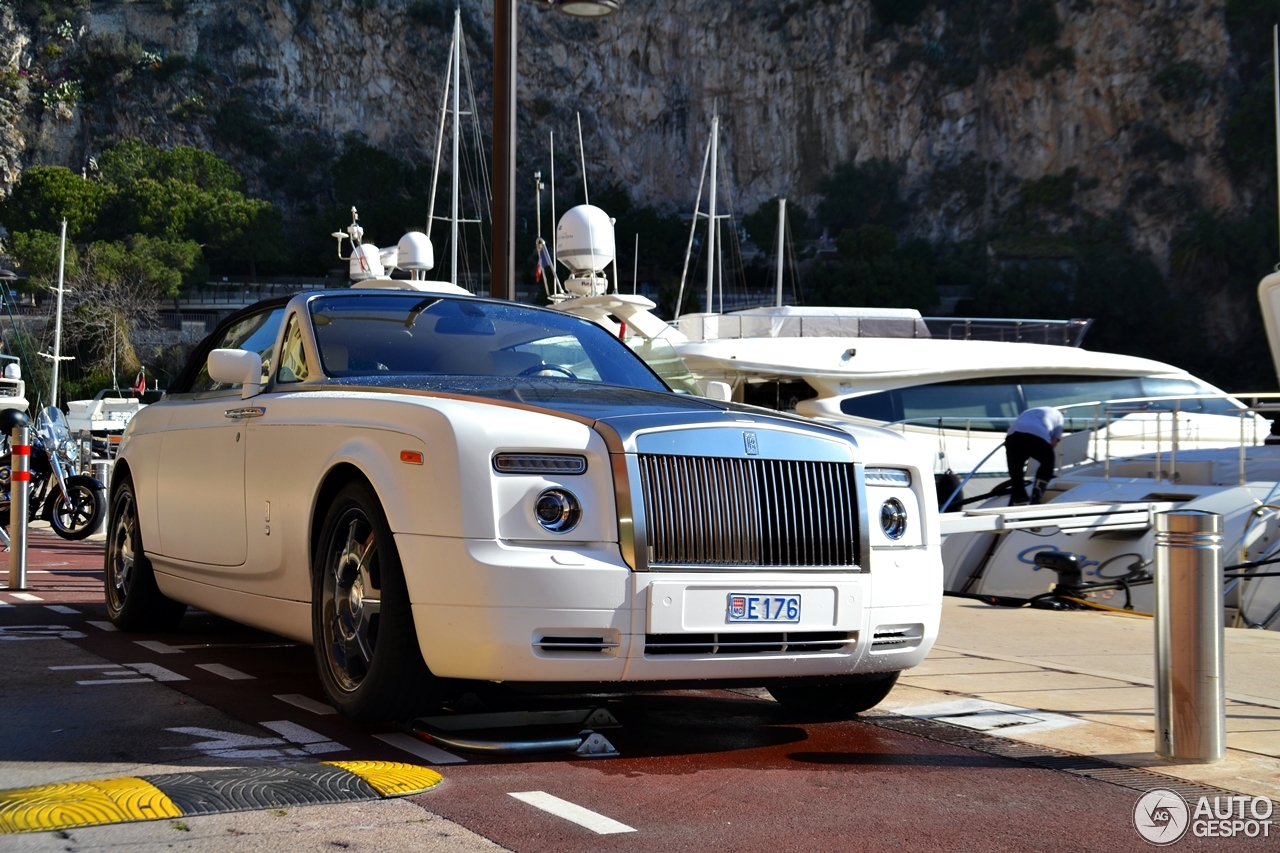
(662, 358)
(52, 424)
(993, 402)
(409, 334)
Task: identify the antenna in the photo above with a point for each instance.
(782, 223)
(711, 216)
(1275, 69)
(635, 267)
(583, 158)
(554, 222)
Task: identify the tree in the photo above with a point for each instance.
(46, 194)
(37, 254)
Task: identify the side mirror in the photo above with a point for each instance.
(721, 391)
(237, 367)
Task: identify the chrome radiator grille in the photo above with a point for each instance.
(702, 511)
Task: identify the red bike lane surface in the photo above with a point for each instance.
(742, 778)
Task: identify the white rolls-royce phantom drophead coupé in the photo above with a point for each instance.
(431, 487)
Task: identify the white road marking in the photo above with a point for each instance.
(158, 647)
(425, 751)
(39, 632)
(993, 717)
(102, 666)
(159, 673)
(306, 703)
(231, 745)
(60, 608)
(102, 626)
(26, 596)
(313, 742)
(4, 603)
(92, 681)
(573, 812)
(225, 671)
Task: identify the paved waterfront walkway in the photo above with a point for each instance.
(1093, 672)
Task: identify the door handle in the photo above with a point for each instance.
(245, 412)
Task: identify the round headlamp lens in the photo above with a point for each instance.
(557, 510)
(893, 518)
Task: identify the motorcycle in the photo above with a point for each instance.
(72, 504)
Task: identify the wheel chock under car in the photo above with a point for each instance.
(587, 743)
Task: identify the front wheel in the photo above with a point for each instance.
(837, 699)
(80, 512)
(365, 643)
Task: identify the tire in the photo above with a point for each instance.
(83, 515)
(366, 647)
(134, 601)
(838, 699)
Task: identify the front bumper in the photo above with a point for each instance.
(497, 611)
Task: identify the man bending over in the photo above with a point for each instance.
(1033, 435)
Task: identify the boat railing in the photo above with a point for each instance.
(1067, 333)
(1102, 414)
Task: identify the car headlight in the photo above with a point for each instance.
(557, 510)
(893, 518)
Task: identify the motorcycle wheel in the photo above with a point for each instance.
(82, 513)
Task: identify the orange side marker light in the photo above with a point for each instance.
(411, 457)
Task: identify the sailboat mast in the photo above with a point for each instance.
(782, 218)
(457, 78)
(711, 213)
(1275, 70)
(57, 323)
(555, 223)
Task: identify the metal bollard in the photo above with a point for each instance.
(19, 493)
(1190, 717)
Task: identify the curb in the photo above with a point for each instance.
(68, 805)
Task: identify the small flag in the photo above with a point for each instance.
(140, 384)
(544, 256)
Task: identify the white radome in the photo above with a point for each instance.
(416, 252)
(584, 239)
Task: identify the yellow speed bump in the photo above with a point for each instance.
(71, 804)
(390, 778)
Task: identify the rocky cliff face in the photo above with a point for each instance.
(971, 100)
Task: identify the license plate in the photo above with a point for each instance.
(763, 608)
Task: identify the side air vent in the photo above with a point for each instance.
(561, 645)
(896, 638)
(808, 642)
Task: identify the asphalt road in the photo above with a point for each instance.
(710, 770)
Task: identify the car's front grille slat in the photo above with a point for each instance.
(806, 642)
(716, 511)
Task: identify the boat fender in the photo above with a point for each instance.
(945, 484)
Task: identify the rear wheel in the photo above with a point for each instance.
(134, 601)
(838, 699)
(365, 643)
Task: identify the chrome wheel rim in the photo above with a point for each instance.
(120, 551)
(74, 513)
(350, 601)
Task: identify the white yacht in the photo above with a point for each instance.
(1143, 437)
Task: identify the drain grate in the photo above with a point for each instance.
(1135, 778)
